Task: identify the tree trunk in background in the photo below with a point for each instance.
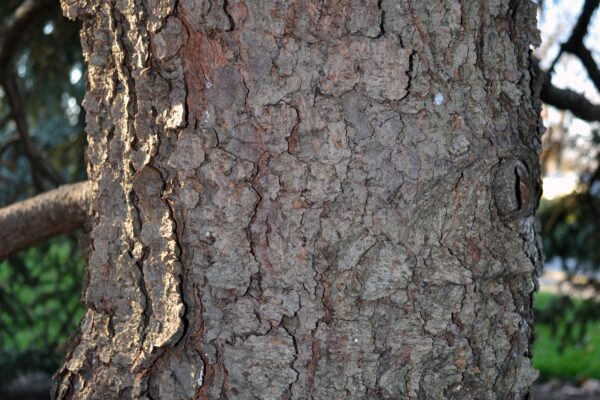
(308, 199)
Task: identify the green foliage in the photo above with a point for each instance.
(40, 307)
(568, 318)
(580, 359)
(571, 232)
(567, 343)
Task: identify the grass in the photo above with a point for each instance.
(574, 362)
(39, 306)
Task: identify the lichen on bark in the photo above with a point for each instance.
(300, 199)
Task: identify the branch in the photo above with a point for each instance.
(585, 56)
(34, 220)
(581, 27)
(566, 99)
(575, 46)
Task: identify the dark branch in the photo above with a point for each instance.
(34, 220)
(575, 46)
(579, 30)
(588, 62)
(566, 99)
(581, 27)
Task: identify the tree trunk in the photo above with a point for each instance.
(308, 199)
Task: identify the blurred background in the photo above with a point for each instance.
(42, 145)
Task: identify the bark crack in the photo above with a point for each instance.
(229, 17)
(381, 19)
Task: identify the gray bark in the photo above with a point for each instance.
(308, 199)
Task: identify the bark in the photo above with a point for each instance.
(308, 199)
(34, 220)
